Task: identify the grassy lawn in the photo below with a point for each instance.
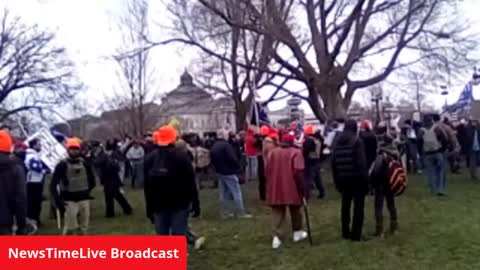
(435, 233)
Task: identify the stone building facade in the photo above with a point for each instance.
(195, 109)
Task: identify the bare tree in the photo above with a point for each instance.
(135, 71)
(233, 61)
(34, 72)
(336, 47)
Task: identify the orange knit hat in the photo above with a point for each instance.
(73, 143)
(6, 142)
(309, 130)
(166, 135)
(264, 131)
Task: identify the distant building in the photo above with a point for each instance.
(195, 109)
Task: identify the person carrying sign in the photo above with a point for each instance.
(76, 180)
(36, 172)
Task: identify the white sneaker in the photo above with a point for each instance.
(276, 243)
(199, 243)
(245, 216)
(299, 236)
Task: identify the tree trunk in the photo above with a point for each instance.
(333, 104)
(241, 114)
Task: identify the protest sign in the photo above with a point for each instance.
(52, 151)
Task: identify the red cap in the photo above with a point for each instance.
(365, 124)
(288, 138)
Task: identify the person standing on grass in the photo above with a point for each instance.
(170, 189)
(135, 156)
(350, 175)
(71, 185)
(36, 172)
(108, 165)
(264, 131)
(13, 199)
(285, 188)
(379, 179)
(227, 167)
(312, 152)
(252, 153)
(447, 147)
(472, 139)
(434, 144)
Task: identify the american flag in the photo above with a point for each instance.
(464, 101)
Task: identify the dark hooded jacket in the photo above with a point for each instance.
(13, 202)
(387, 151)
(170, 181)
(349, 165)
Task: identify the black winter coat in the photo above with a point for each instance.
(108, 168)
(349, 165)
(224, 159)
(169, 181)
(13, 201)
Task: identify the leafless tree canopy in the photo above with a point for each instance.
(336, 47)
(233, 61)
(133, 99)
(34, 72)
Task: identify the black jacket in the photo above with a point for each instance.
(309, 146)
(13, 201)
(108, 168)
(60, 177)
(370, 143)
(349, 165)
(224, 159)
(169, 181)
(469, 138)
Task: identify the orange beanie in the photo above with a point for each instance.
(309, 130)
(6, 142)
(166, 135)
(264, 131)
(73, 143)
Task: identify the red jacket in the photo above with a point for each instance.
(250, 149)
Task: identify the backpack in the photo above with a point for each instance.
(202, 157)
(397, 177)
(316, 154)
(430, 140)
(161, 165)
(76, 177)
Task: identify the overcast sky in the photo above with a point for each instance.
(88, 29)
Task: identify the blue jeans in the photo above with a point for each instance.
(171, 222)
(230, 194)
(252, 168)
(435, 170)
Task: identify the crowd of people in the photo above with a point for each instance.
(287, 164)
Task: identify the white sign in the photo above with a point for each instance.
(52, 151)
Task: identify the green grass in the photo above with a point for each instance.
(435, 233)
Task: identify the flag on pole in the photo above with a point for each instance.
(464, 101)
(259, 111)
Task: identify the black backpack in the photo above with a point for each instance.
(161, 165)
